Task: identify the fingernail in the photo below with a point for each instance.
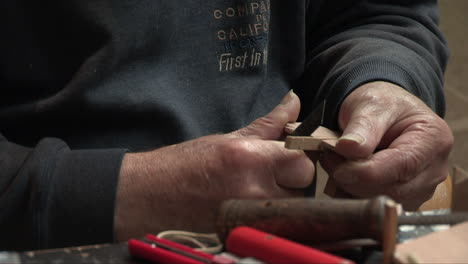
(353, 137)
(287, 98)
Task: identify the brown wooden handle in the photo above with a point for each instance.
(306, 220)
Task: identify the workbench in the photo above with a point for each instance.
(105, 253)
(118, 254)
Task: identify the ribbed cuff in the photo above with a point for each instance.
(82, 197)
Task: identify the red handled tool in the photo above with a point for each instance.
(245, 241)
(163, 251)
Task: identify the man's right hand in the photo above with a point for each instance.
(181, 186)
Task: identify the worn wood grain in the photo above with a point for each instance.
(322, 138)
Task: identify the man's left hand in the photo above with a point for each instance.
(392, 144)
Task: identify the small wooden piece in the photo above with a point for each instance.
(442, 197)
(390, 231)
(448, 246)
(322, 138)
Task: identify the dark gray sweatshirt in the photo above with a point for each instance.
(84, 81)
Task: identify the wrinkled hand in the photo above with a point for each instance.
(181, 186)
(392, 144)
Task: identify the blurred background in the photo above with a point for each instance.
(454, 24)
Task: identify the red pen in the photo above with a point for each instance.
(158, 250)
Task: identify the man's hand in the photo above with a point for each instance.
(181, 186)
(392, 144)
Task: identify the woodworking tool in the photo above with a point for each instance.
(309, 220)
(158, 250)
(311, 122)
(309, 125)
(244, 241)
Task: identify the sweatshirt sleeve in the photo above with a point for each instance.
(354, 42)
(51, 196)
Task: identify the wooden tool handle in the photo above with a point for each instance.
(304, 219)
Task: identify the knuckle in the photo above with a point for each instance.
(447, 145)
(266, 126)
(370, 174)
(240, 133)
(266, 122)
(408, 167)
(305, 175)
(446, 140)
(238, 153)
(364, 121)
(437, 131)
(251, 130)
(255, 192)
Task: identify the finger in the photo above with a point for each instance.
(291, 168)
(410, 194)
(267, 191)
(296, 173)
(266, 166)
(285, 192)
(271, 126)
(407, 157)
(363, 133)
(388, 166)
(364, 120)
(414, 193)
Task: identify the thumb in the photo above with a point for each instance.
(271, 126)
(364, 124)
